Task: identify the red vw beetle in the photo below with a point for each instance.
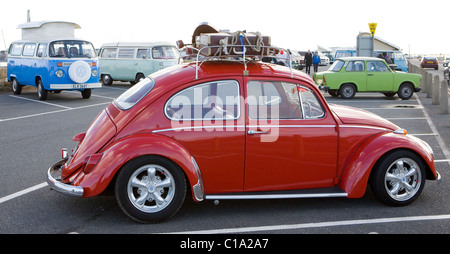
(237, 130)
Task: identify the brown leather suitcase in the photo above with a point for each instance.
(227, 40)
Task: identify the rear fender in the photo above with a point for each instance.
(121, 151)
(358, 167)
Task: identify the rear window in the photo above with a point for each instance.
(133, 95)
(337, 66)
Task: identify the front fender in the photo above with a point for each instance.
(121, 151)
(357, 169)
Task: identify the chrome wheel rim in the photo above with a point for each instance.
(403, 179)
(151, 188)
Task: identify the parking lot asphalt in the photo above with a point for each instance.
(33, 133)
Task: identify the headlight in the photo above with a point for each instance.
(59, 73)
(94, 73)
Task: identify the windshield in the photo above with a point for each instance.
(165, 52)
(133, 95)
(71, 49)
(336, 66)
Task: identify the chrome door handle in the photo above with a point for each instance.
(256, 132)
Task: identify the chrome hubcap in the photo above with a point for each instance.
(151, 188)
(403, 179)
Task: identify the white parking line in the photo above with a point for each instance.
(316, 225)
(51, 112)
(22, 192)
(43, 102)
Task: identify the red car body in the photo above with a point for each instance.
(328, 156)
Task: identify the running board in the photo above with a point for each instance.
(333, 192)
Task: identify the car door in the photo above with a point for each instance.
(291, 141)
(379, 77)
(355, 73)
(206, 118)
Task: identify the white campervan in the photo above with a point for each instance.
(126, 61)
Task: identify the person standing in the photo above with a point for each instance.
(316, 61)
(308, 61)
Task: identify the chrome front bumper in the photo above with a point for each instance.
(54, 181)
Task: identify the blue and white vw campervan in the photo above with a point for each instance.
(49, 60)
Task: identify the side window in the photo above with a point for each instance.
(41, 52)
(311, 106)
(273, 100)
(16, 49)
(28, 49)
(142, 54)
(217, 100)
(355, 66)
(377, 66)
(281, 100)
(109, 53)
(126, 53)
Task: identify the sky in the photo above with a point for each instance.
(416, 27)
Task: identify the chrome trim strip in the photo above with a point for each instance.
(364, 127)
(277, 196)
(242, 126)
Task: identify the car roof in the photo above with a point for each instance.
(361, 58)
(209, 70)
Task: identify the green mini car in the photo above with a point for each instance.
(349, 75)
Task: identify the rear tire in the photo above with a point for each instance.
(347, 91)
(150, 189)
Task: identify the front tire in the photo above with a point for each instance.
(150, 189)
(42, 92)
(16, 87)
(398, 178)
(405, 91)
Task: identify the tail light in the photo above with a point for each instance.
(323, 82)
(90, 162)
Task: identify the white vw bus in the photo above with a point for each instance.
(127, 61)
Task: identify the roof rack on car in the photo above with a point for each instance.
(238, 55)
(208, 44)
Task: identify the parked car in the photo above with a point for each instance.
(349, 75)
(48, 59)
(131, 62)
(237, 131)
(324, 60)
(430, 62)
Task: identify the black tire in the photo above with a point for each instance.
(139, 77)
(42, 92)
(398, 178)
(347, 91)
(16, 87)
(334, 93)
(405, 91)
(86, 93)
(107, 80)
(150, 172)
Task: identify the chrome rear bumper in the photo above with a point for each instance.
(54, 181)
